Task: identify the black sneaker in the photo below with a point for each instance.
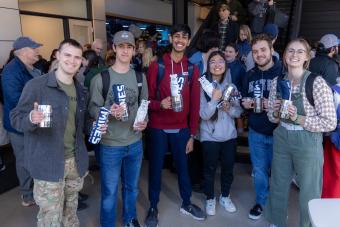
(82, 197)
(152, 218)
(256, 212)
(81, 206)
(194, 211)
(133, 223)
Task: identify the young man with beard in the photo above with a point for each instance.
(256, 84)
(121, 148)
(56, 156)
(169, 128)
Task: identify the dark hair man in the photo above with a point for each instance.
(167, 127)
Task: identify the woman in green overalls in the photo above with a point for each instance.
(297, 141)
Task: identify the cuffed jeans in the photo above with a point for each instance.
(115, 162)
(159, 141)
(261, 154)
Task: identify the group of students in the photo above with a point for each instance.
(280, 146)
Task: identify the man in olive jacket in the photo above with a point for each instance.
(56, 156)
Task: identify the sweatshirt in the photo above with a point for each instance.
(223, 128)
(257, 79)
(168, 119)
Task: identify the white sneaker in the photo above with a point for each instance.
(210, 207)
(227, 204)
(272, 225)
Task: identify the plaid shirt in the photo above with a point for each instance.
(321, 117)
(222, 29)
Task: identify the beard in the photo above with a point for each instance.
(268, 61)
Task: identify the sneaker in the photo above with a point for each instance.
(27, 201)
(210, 206)
(194, 211)
(152, 218)
(272, 225)
(133, 223)
(256, 212)
(81, 206)
(82, 197)
(227, 204)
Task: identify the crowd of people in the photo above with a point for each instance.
(200, 89)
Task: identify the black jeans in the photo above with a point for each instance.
(195, 164)
(212, 152)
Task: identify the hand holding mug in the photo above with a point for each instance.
(36, 116)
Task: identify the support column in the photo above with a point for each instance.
(180, 11)
(10, 27)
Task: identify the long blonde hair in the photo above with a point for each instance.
(147, 57)
(246, 29)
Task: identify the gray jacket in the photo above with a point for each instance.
(223, 128)
(44, 157)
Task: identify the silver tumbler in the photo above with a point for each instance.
(258, 105)
(177, 103)
(228, 92)
(47, 111)
(284, 114)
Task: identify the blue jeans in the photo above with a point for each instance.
(159, 143)
(115, 162)
(261, 154)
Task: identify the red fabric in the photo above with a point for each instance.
(168, 119)
(331, 171)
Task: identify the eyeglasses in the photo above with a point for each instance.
(217, 62)
(298, 52)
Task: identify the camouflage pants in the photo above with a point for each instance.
(58, 201)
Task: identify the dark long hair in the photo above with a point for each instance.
(208, 75)
(92, 58)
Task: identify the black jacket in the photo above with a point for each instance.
(325, 66)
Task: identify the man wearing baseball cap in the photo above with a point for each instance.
(325, 62)
(121, 149)
(14, 77)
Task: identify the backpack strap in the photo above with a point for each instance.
(139, 77)
(106, 82)
(160, 75)
(309, 88)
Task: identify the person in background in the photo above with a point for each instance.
(147, 58)
(243, 42)
(225, 27)
(325, 62)
(331, 165)
(98, 47)
(297, 146)
(110, 58)
(92, 67)
(53, 57)
(56, 156)
(14, 77)
(218, 134)
(259, 11)
(208, 43)
(256, 84)
(237, 72)
(238, 13)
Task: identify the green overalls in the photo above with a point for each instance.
(295, 150)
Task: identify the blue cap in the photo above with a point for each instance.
(24, 41)
(272, 30)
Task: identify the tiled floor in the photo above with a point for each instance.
(12, 214)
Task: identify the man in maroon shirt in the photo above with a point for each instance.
(167, 127)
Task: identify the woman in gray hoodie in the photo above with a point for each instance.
(218, 133)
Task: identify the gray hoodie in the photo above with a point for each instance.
(223, 128)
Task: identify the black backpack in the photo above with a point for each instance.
(106, 83)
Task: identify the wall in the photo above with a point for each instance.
(154, 10)
(10, 27)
